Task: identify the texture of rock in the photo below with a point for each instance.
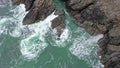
(58, 23)
(38, 9)
(100, 17)
(28, 3)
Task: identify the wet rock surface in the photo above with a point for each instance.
(95, 16)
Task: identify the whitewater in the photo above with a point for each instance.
(37, 47)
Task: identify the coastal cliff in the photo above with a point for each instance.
(95, 16)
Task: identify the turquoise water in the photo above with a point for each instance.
(30, 47)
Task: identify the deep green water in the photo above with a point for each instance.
(22, 48)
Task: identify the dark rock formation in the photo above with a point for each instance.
(100, 17)
(58, 23)
(38, 9)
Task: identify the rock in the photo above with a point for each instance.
(58, 23)
(94, 14)
(115, 31)
(89, 18)
(79, 4)
(59, 20)
(113, 48)
(100, 17)
(39, 11)
(16, 2)
(115, 40)
(28, 3)
(113, 60)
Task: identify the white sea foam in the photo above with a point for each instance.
(16, 20)
(33, 44)
(16, 32)
(63, 37)
(84, 49)
(3, 30)
(2, 20)
(39, 29)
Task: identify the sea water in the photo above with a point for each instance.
(36, 46)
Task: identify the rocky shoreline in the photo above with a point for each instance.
(95, 16)
(100, 17)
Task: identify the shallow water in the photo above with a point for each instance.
(35, 46)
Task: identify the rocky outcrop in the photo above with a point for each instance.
(39, 10)
(96, 16)
(100, 17)
(58, 23)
